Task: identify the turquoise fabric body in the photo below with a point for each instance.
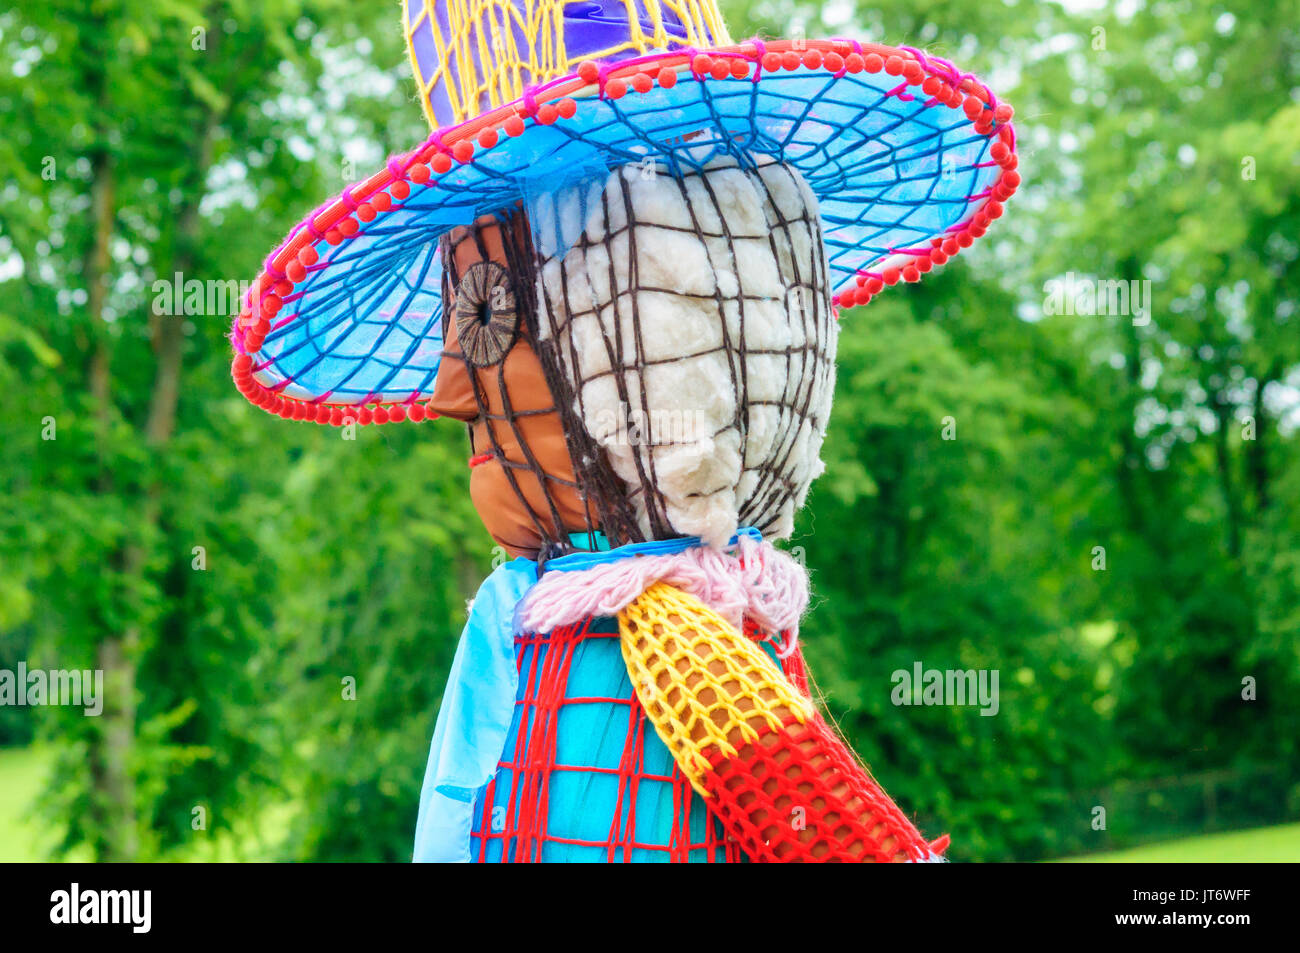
(479, 724)
(597, 816)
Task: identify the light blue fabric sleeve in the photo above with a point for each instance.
(474, 718)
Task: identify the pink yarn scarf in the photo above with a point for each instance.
(752, 578)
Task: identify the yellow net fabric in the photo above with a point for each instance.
(480, 64)
(783, 784)
(707, 688)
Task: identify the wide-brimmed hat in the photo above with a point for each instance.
(909, 158)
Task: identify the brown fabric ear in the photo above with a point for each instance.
(522, 480)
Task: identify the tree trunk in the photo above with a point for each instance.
(112, 800)
(1257, 449)
(1227, 484)
(111, 771)
(1131, 471)
(113, 795)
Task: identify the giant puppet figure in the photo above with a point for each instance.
(620, 260)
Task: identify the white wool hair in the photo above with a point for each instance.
(697, 340)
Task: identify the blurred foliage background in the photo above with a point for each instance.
(1159, 141)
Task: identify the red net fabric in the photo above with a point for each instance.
(584, 777)
(798, 794)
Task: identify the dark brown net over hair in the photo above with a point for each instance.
(796, 373)
(530, 382)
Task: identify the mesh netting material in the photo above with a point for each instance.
(690, 323)
(584, 777)
(690, 405)
(505, 426)
(797, 794)
(703, 683)
(891, 171)
(472, 54)
(780, 779)
(373, 332)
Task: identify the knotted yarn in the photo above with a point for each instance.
(750, 578)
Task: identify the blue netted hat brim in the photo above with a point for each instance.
(908, 158)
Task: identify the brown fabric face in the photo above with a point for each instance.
(522, 480)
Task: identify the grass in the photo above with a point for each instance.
(1261, 845)
(23, 772)
(22, 775)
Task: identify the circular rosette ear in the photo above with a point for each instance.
(487, 318)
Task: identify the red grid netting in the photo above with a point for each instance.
(635, 806)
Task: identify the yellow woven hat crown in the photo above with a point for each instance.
(472, 55)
